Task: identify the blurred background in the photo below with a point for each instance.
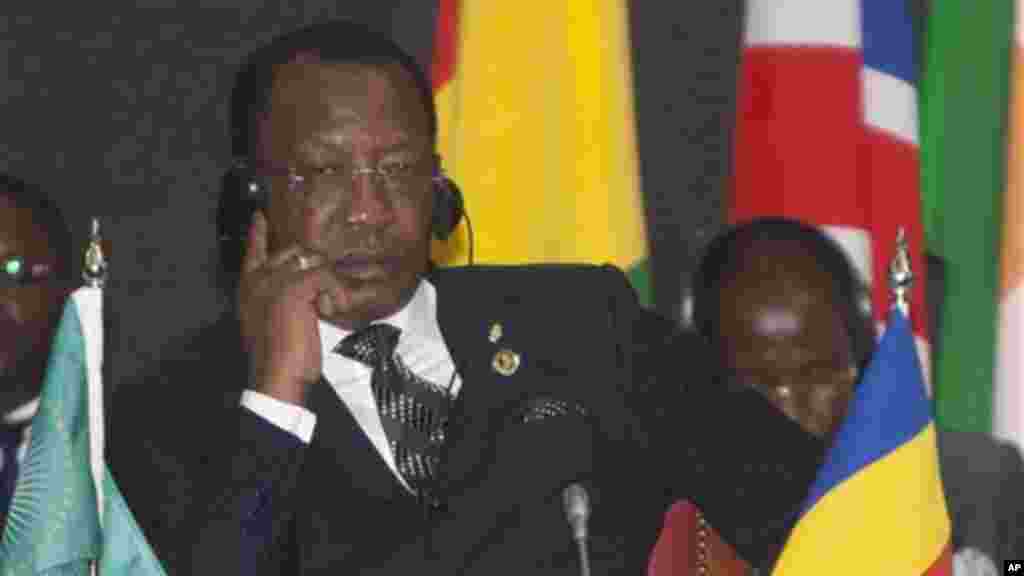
(625, 124)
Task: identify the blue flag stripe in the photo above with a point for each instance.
(889, 408)
(888, 38)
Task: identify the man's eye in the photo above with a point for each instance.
(395, 168)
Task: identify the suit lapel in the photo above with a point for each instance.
(486, 397)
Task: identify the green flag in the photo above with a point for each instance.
(963, 129)
(54, 527)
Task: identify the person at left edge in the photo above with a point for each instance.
(295, 457)
(35, 278)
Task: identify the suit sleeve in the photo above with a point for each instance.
(205, 477)
(742, 462)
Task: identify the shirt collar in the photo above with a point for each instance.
(417, 320)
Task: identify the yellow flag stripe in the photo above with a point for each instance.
(867, 526)
(540, 134)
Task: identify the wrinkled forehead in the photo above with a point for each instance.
(20, 232)
(342, 106)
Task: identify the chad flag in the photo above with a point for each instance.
(535, 104)
(877, 506)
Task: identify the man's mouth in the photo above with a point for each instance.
(365, 266)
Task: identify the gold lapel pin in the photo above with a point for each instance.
(495, 333)
(505, 362)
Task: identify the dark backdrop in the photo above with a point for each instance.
(119, 110)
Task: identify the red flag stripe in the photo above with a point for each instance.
(445, 43)
(796, 148)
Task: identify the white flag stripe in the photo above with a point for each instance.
(1019, 22)
(89, 304)
(1008, 401)
(803, 22)
(856, 242)
(890, 104)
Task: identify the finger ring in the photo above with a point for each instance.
(303, 262)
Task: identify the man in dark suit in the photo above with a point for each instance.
(371, 415)
(785, 310)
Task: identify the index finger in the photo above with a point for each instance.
(256, 243)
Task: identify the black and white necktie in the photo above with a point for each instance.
(413, 411)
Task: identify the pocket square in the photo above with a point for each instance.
(545, 407)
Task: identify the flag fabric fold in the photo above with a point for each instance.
(877, 505)
(67, 517)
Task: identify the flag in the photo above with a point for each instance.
(963, 131)
(540, 135)
(826, 131)
(1008, 406)
(67, 516)
(877, 505)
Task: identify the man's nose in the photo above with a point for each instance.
(369, 203)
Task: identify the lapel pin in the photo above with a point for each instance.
(496, 333)
(505, 362)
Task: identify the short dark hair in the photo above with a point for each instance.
(335, 41)
(46, 213)
(722, 258)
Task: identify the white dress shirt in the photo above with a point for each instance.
(421, 347)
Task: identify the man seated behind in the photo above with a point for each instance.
(35, 278)
(784, 309)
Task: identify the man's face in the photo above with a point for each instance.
(332, 125)
(782, 334)
(28, 311)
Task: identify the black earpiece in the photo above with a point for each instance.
(243, 192)
(448, 204)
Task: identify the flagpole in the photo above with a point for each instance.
(901, 276)
(94, 276)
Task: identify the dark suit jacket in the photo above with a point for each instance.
(225, 489)
(984, 485)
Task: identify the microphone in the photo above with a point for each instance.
(577, 512)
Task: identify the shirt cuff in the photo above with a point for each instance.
(289, 417)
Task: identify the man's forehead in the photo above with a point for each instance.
(344, 101)
(20, 233)
(780, 291)
(328, 84)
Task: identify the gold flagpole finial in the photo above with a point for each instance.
(901, 276)
(94, 272)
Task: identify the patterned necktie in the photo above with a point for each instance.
(412, 410)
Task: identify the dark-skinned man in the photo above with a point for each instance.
(35, 278)
(786, 312)
(398, 419)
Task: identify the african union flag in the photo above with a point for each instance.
(67, 517)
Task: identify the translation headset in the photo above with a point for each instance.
(244, 191)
